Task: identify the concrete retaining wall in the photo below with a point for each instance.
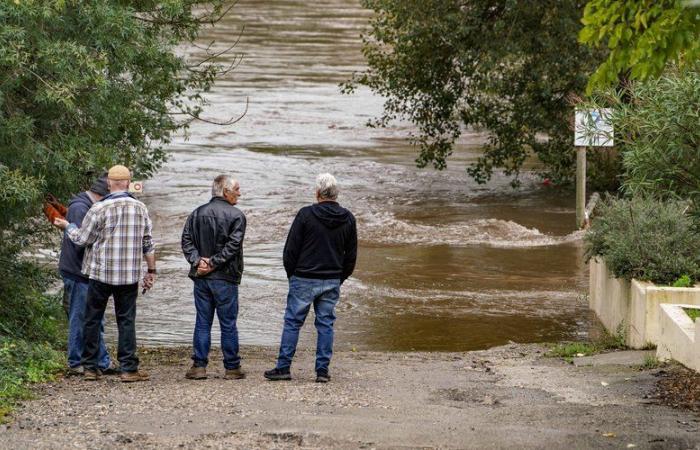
(679, 337)
(635, 305)
(609, 297)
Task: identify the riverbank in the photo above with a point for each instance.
(503, 397)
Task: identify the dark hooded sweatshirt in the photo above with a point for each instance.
(71, 261)
(322, 243)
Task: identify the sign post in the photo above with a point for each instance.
(592, 129)
(580, 186)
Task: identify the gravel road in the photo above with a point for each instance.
(505, 397)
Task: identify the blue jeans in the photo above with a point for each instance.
(75, 293)
(221, 297)
(303, 292)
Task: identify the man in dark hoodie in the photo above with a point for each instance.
(319, 256)
(75, 283)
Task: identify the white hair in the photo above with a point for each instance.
(327, 186)
(221, 183)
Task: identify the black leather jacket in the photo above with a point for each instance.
(215, 230)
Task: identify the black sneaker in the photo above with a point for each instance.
(278, 374)
(322, 377)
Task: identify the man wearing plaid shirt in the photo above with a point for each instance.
(117, 234)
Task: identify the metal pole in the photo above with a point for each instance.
(580, 186)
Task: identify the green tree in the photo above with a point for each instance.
(504, 66)
(84, 84)
(642, 37)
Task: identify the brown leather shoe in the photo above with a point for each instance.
(91, 375)
(234, 374)
(196, 373)
(132, 377)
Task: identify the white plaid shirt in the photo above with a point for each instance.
(117, 234)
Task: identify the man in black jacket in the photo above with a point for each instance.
(319, 256)
(75, 282)
(212, 242)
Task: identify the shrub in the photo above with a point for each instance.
(651, 240)
(657, 135)
(22, 362)
(683, 282)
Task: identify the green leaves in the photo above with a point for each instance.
(643, 37)
(656, 126)
(498, 65)
(646, 239)
(86, 84)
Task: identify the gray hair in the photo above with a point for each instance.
(221, 183)
(327, 186)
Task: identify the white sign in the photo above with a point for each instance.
(136, 187)
(593, 128)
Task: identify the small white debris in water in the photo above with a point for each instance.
(603, 383)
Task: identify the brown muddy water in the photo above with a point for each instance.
(444, 264)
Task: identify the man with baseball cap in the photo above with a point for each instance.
(117, 235)
(75, 284)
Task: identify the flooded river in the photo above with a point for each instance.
(444, 264)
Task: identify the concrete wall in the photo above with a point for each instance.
(652, 299)
(636, 304)
(608, 297)
(679, 337)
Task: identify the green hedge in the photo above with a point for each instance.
(650, 240)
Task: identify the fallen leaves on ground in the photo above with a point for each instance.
(678, 387)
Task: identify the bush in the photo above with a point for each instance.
(646, 239)
(22, 362)
(32, 329)
(657, 135)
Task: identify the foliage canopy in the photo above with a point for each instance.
(642, 36)
(500, 65)
(86, 84)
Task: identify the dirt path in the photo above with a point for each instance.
(505, 397)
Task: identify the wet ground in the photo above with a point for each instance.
(506, 397)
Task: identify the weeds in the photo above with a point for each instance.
(693, 313)
(650, 362)
(607, 341)
(32, 330)
(683, 282)
(22, 363)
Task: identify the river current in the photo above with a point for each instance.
(444, 263)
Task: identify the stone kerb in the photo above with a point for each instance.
(633, 308)
(679, 337)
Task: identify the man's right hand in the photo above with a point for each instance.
(60, 223)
